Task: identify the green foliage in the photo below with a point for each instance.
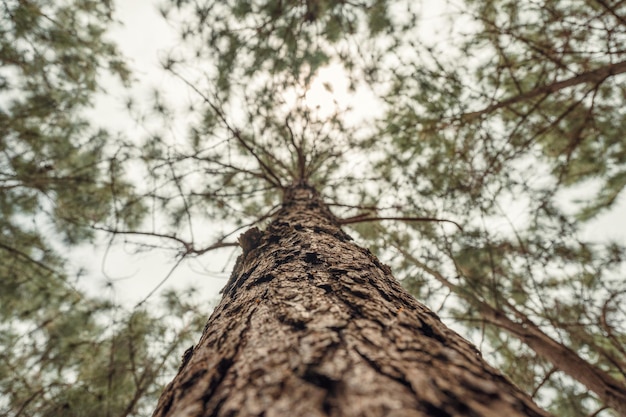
(252, 130)
(52, 161)
(493, 123)
(60, 175)
(532, 46)
(65, 354)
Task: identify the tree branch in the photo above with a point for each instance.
(366, 218)
(299, 152)
(273, 178)
(609, 390)
(169, 274)
(612, 11)
(597, 76)
(189, 249)
(27, 257)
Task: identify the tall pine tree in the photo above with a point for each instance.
(469, 142)
(492, 123)
(313, 325)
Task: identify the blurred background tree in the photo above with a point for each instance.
(64, 352)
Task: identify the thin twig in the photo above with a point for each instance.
(273, 178)
(361, 219)
(160, 284)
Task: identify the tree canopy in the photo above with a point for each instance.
(490, 142)
(64, 352)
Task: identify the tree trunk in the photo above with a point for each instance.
(313, 325)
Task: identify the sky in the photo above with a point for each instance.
(143, 37)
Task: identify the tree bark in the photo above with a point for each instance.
(311, 324)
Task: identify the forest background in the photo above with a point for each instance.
(507, 119)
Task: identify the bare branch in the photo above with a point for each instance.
(160, 284)
(189, 249)
(545, 379)
(366, 218)
(299, 152)
(609, 331)
(273, 178)
(598, 411)
(595, 76)
(27, 257)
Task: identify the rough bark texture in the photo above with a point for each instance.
(313, 325)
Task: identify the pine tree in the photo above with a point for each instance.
(459, 177)
(455, 142)
(311, 324)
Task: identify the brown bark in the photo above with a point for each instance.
(313, 325)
